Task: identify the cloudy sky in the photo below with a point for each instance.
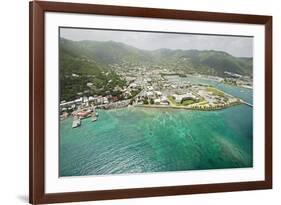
(236, 46)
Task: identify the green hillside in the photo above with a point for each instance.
(76, 70)
(108, 52)
(195, 61)
(204, 62)
(83, 62)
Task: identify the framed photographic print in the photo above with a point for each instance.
(139, 102)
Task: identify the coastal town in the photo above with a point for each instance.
(155, 87)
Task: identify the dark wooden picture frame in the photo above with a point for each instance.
(37, 193)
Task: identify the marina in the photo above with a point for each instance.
(83, 113)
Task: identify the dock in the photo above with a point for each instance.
(246, 103)
(76, 122)
(82, 114)
(94, 116)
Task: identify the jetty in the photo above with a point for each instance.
(246, 103)
(94, 115)
(76, 122)
(81, 114)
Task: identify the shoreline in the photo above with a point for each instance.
(238, 86)
(190, 108)
(174, 107)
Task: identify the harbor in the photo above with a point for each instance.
(141, 139)
(80, 114)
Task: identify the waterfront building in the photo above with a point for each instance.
(186, 96)
(164, 100)
(105, 100)
(149, 94)
(157, 101)
(79, 100)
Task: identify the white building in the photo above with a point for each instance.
(149, 94)
(180, 98)
(89, 84)
(158, 93)
(149, 88)
(133, 85)
(157, 101)
(85, 99)
(164, 100)
(79, 100)
(66, 104)
(105, 100)
(91, 99)
(75, 75)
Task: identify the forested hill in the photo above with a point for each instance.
(204, 62)
(90, 60)
(77, 70)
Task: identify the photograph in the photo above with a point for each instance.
(133, 102)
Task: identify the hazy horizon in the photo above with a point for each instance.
(237, 46)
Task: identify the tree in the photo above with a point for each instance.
(145, 101)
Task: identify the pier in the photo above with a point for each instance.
(94, 115)
(81, 114)
(246, 103)
(76, 122)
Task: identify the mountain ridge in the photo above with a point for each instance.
(210, 62)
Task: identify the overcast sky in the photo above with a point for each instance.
(236, 46)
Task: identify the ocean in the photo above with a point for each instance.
(141, 140)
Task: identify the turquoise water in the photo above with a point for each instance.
(243, 93)
(137, 140)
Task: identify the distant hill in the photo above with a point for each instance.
(191, 61)
(83, 62)
(105, 53)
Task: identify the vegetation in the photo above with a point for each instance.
(84, 66)
(135, 92)
(188, 102)
(230, 81)
(171, 100)
(145, 102)
(215, 91)
(208, 62)
(190, 61)
(82, 76)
